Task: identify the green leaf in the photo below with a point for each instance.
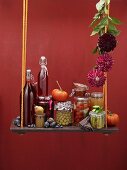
(97, 29)
(100, 26)
(113, 30)
(106, 10)
(94, 32)
(101, 32)
(100, 5)
(115, 33)
(104, 21)
(115, 20)
(95, 50)
(93, 22)
(112, 27)
(108, 2)
(96, 16)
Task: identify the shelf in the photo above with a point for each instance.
(24, 130)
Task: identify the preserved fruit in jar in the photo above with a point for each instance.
(81, 108)
(79, 90)
(97, 99)
(48, 105)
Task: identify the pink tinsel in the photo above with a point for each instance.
(96, 78)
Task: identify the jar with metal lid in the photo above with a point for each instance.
(97, 120)
(64, 113)
(97, 99)
(81, 108)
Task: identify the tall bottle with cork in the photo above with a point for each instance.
(29, 99)
(44, 100)
(43, 78)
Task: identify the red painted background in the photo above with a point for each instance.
(59, 30)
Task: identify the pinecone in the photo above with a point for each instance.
(107, 42)
(96, 78)
(104, 62)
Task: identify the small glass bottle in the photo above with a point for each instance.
(97, 99)
(43, 78)
(29, 99)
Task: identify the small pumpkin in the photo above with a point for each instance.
(112, 119)
(59, 94)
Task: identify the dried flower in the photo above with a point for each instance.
(96, 78)
(107, 42)
(104, 62)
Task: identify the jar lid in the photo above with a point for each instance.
(97, 94)
(81, 87)
(91, 113)
(47, 98)
(82, 99)
(64, 105)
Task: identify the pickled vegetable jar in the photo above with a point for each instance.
(64, 113)
(97, 99)
(97, 119)
(81, 108)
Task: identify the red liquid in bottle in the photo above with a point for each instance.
(29, 99)
(43, 78)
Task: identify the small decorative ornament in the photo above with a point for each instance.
(107, 42)
(104, 62)
(96, 78)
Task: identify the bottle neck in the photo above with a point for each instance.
(44, 68)
(28, 82)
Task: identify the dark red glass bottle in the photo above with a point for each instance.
(43, 78)
(29, 99)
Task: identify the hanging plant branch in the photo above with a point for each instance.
(101, 20)
(105, 26)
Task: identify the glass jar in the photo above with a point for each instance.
(48, 104)
(79, 90)
(39, 121)
(64, 117)
(97, 99)
(64, 113)
(97, 119)
(81, 108)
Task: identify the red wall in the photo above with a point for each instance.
(59, 30)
